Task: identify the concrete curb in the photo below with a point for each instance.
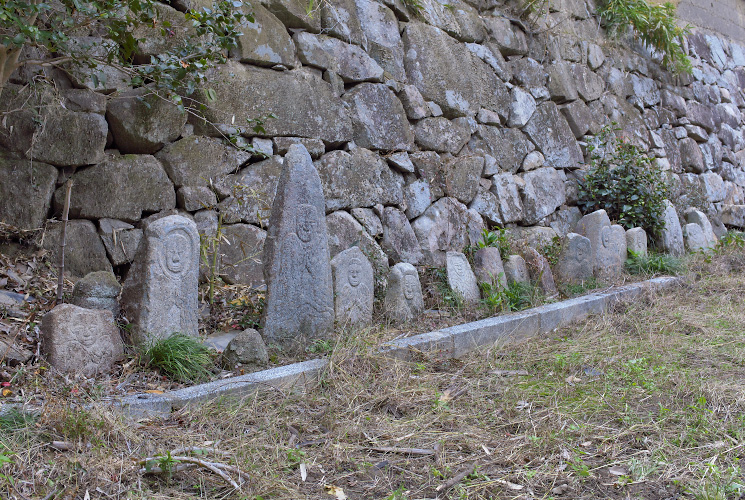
(454, 341)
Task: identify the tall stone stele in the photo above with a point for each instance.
(297, 269)
(353, 288)
(403, 299)
(159, 296)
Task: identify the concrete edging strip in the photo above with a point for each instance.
(454, 341)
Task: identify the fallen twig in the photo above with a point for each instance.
(214, 467)
(405, 451)
(457, 478)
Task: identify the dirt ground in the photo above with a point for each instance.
(644, 402)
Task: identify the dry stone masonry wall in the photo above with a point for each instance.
(424, 129)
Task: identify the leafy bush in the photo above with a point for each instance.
(623, 181)
(654, 25)
(180, 357)
(653, 264)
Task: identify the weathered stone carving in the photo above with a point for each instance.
(159, 295)
(461, 278)
(403, 299)
(299, 300)
(353, 287)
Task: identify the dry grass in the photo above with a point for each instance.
(644, 402)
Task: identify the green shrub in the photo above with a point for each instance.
(654, 25)
(623, 181)
(653, 264)
(180, 357)
(497, 239)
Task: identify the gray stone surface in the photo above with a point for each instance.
(516, 270)
(542, 193)
(417, 197)
(299, 299)
(250, 192)
(98, 290)
(240, 254)
(579, 117)
(690, 156)
(159, 296)
(636, 240)
(461, 278)
(443, 227)
(575, 263)
(80, 341)
(359, 179)
(345, 232)
(733, 216)
(447, 73)
(353, 288)
(14, 354)
(701, 115)
(694, 216)
(84, 252)
(348, 61)
(381, 37)
(507, 146)
(197, 160)
(401, 162)
(695, 240)
(458, 19)
(441, 135)
(608, 243)
(550, 132)
(340, 19)
(37, 122)
(540, 271)
(671, 237)
(413, 102)
(505, 188)
(247, 349)
(522, 108)
(106, 191)
(294, 14)
(399, 240)
(403, 299)
(378, 118)
(561, 84)
(26, 190)
(488, 267)
(315, 147)
(193, 198)
(264, 42)
(508, 39)
(461, 175)
(304, 105)
(142, 122)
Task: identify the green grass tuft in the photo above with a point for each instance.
(654, 264)
(180, 357)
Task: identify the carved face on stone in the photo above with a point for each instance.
(305, 223)
(177, 252)
(605, 234)
(355, 270)
(87, 337)
(409, 286)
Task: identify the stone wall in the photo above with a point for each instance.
(424, 129)
(726, 17)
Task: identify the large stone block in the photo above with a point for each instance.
(399, 240)
(542, 193)
(381, 37)
(26, 190)
(345, 232)
(297, 271)
(198, 160)
(540, 271)
(378, 118)
(304, 105)
(505, 189)
(240, 255)
(36, 124)
(84, 252)
(443, 227)
(348, 61)
(143, 122)
(340, 19)
(81, 341)
(107, 190)
(671, 236)
(250, 192)
(98, 290)
(488, 267)
(120, 239)
(359, 179)
(264, 42)
(294, 14)
(550, 132)
(441, 135)
(608, 243)
(461, 175)
(509, 39)
(636, 241)
(159, 295)
(458, 19)
(447, 73)
(694, 216)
